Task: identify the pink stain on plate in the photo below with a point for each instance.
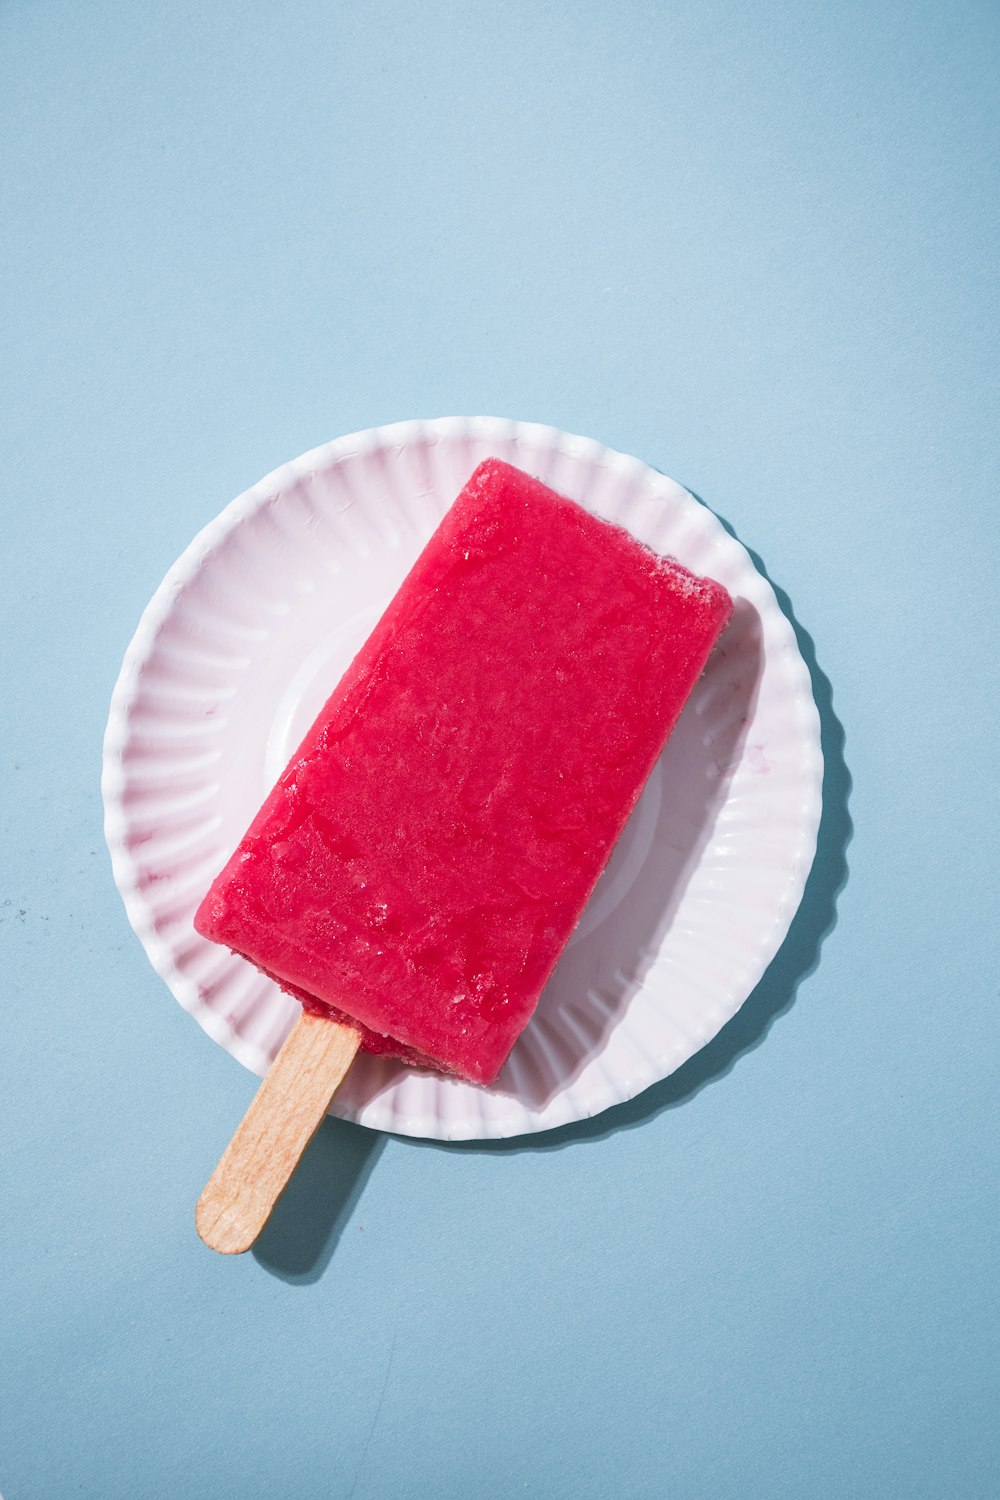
(757, 760)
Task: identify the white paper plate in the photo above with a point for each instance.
(250, 631)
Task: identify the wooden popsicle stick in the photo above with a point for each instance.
(283, 1117)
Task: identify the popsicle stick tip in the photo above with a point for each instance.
(213, 1231)
(283, 1117)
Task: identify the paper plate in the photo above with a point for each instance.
(250, 631)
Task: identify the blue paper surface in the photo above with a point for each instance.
(755, 245)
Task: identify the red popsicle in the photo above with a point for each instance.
(429, 849)
(423, 859)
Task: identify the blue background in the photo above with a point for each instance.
(753, 243)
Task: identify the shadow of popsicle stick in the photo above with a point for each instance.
(313, 1212)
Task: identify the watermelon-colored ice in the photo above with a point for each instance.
(430, 847)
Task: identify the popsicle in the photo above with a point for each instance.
(425, 856)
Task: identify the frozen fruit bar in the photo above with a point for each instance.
(430, 847)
